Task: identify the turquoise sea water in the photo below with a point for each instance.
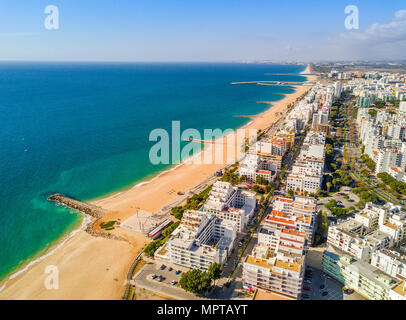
(82, 130)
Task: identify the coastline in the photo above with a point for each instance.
(88, 267)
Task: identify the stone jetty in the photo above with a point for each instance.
(80, 206)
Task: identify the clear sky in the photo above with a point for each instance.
(204, 30)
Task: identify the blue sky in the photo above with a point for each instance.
(189, 30)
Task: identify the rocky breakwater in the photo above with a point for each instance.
(80, 206)
(89, 209)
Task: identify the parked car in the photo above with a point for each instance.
(160, 278)
(162, 267)
(306, 288)
(174, 282)
(170, 269)
(325, 293)
(349, 291)
(322, 286)
(154, 276)
(305, 296)
(308, 281)
(177, 271)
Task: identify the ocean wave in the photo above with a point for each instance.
(84, 223)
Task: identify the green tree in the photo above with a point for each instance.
(215, 272)
(167, 231)
(152, 247)
(195, 281)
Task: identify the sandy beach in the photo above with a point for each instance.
(96, 268)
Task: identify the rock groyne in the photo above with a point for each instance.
(83, 207)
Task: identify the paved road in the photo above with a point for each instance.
(374, 188)
(333, 288)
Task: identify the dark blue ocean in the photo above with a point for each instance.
(83, 130)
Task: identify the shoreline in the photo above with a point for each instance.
(86, 253)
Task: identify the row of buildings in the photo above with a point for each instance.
(384, 140)
(382, 130)
(207, 236)
(307, 171)
(265, 158)
(366, 252)
(277, 262)
(384, 86)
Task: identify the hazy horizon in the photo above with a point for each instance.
(209, 31)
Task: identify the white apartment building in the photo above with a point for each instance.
(360, 276)
(200, 240)
(338, 88)
(387, 159)
(272, 271)
(375, 228)
(231, 204)
(307, 171)
(252, 167)
(398, 292)
(277, 261)
(391, 262)
(304, 183)
(361, 253)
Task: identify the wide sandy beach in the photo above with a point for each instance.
(96, 268)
